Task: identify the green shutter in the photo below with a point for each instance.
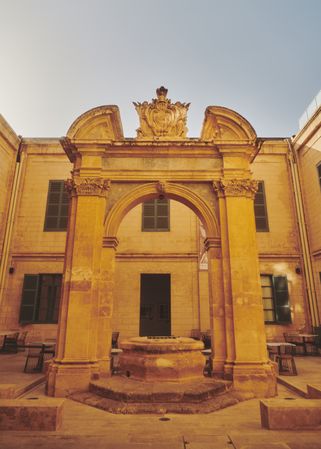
(29, 298)
(282, 306)
(261, 219)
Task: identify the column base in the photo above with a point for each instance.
(259, 379)
(217, 367)
(66, 378)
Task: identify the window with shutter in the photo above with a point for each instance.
(275, 298)
(261, 219)
(29, 298)
(57, 207)
(40, 298)
(156, 215)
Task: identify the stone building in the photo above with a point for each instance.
(163, 238)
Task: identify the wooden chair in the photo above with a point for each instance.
(10, 343)
(34, 359)
(49, 352)
(114, 340)
(285, 361)
(22, 340)
(293, 337)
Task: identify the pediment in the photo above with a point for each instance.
(223, 124)
(101, 123)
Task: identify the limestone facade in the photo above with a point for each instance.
(212, 179)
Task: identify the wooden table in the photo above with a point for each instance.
(278, 345)
(305, 342)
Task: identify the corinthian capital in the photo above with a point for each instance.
(236, 187)
(87, 186)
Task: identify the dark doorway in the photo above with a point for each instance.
(155, 304)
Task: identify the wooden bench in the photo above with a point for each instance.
(31, 414)
(290, 414)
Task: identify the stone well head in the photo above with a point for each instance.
(162, 359)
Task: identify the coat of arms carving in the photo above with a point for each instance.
(162, 119)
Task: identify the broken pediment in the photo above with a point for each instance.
(101, 123)
(161, 119)
(225, 124)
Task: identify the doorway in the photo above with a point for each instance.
(155, 305)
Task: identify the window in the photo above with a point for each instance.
(57, 207)
(319, 173)
(156, 215)
(40, 298)
(260, 211)
(275, 299)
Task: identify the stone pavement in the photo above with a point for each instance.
(236, 427)
(309, 371)
(12, 376)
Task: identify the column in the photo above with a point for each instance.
(217, 307)
(247, 362)
(76, 358)
(106, 301)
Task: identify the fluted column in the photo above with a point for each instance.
(76, 358)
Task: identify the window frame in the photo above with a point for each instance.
(155, 216)
(47, 228)
(37, 298)
(264, 204)
(275, 300)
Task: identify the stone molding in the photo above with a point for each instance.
(110, 242)
(161, 118)
(87, 186)
(212, 242)
(235, 187)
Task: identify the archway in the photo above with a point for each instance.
(212, 176)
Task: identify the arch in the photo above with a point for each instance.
(154, 190)
(225, 124)
(98, 123)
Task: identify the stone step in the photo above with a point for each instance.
(224, 400)
(120, 388)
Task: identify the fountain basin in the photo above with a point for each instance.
(162, 359)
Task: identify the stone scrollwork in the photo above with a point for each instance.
(87, 186)
(236, 187)
(162, 119)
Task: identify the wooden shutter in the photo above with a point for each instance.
(29, 298)
(156, 215)
(260, 211)
(57, 207)
(282, 307)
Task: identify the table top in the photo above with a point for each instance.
(307, 335)
(3, 333)
(281, 343)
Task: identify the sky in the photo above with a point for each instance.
(261, 58)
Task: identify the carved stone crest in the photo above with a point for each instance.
(87, 186)
(162, 119)
(236, 187)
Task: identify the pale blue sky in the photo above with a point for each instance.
(60, 58)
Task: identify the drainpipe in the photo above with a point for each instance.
(10, 219)
(308, 270)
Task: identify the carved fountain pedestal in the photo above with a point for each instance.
(162, 359)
